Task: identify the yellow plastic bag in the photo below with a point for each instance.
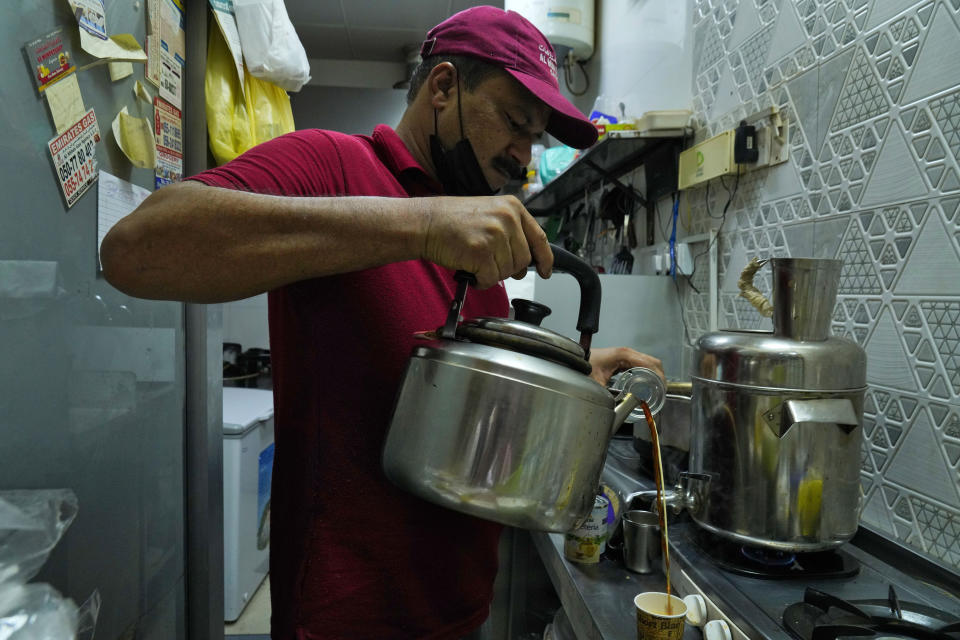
(238, 120)
(270, 106)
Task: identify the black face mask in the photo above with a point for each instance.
(458, 169)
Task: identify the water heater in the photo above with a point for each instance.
(567, 24)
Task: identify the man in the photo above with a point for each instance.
(351, 277)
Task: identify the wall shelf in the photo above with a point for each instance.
(607, 161)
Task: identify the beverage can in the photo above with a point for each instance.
(586, 542)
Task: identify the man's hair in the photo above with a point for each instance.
(471, 71)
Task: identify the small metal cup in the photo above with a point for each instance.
(641, 541)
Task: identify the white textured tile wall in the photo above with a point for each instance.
(872, 92)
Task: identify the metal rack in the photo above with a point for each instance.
(607, 161)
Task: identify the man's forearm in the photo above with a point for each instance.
(197, 243)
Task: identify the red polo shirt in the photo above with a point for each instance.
(352, 556)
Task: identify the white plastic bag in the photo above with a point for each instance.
(31, 524)
(270, 45)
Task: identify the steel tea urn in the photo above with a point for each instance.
(776, 420)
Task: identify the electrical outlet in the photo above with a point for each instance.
(684, 258)
(773, 139)
(772, 145)
(650, 261)
(780, 142)
(655, 259)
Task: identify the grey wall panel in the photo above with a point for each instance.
(345, 109)
(70, 416)
(636, 311)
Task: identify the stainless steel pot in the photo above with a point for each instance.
(500, 419)
(775, 425)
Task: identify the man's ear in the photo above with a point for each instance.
(442, 84)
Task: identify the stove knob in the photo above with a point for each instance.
(717, 630)
(696, 609)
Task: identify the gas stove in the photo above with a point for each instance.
(855, 590)
(822, 616)
(797, 601)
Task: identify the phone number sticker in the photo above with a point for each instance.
(168, 130)
(74, 155)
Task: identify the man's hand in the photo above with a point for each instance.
(609, 361)
(491, 237)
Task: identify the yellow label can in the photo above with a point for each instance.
(586, 542)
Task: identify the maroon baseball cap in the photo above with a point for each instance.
(508, 40)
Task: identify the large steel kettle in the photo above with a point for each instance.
(776, 419)
(499, 418)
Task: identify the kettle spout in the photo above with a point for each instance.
(627, 404)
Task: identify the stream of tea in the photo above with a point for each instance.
(661, 499)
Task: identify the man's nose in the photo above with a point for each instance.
(520, 152)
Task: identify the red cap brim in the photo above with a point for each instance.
(566, 123)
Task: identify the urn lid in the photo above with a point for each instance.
(763, 359)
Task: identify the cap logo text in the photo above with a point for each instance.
(548, 58)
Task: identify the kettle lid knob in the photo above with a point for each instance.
(529, 311)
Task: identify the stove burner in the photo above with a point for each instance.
(768, 557)
(822, 616)
(757, 562)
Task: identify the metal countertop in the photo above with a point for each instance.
(598, 598)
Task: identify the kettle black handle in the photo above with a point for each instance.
(462, 275)
(588, 321)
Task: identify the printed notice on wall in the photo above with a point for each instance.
(116, 199)
(91, 17)
(168, 130)
(74, 155)
(223, 12)
(121, 47)
(152, 72)
(49, 58)
(166, 48)
(65, 102)
(134, 136)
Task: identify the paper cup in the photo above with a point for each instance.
(653, 621)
